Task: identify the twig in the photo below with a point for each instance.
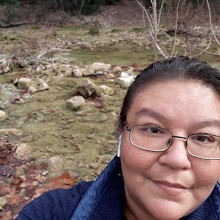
(202, 51)
(210, 21)
(155, 28)
(163, 53)
(50, 50)
(177, 17)
(160, 12)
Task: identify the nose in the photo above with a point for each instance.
(176, 156)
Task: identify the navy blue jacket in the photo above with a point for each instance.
(102, 199)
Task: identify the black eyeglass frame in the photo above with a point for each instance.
(170, 141)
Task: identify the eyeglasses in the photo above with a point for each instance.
(157, 139)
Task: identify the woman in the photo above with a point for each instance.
(168, 160)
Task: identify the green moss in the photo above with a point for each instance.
(94, 31)
(3, 37)
(138, 29)
(35, 27)
(73, 28)
(116, 30)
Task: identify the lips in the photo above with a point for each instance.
(170, 188)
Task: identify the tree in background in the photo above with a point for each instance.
(10, 8)
(187, 9)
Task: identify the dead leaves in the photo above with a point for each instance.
(21, 180)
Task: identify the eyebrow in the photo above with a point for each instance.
(147, 111)
(202, 124)
(208, 123)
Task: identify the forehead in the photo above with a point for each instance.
(188, 99)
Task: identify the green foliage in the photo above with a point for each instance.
(94, 31)
(3, 37)
(84, 7)
(9, 2)
(173, 3)
(10, 9)
(138, 29)
(35, 27)
(116, 30)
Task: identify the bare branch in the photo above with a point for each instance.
(50, 50)
(160, 12)
(177, 17)
(210, 21)
(144, 9)
(204, 50)
(155, 28)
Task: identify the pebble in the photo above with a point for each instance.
(3, 201)
(3, 115)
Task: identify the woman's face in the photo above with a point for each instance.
(170, 184)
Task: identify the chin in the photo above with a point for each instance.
(169, 213)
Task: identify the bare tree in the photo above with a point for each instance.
(154, 28)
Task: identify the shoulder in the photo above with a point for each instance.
(55, 204)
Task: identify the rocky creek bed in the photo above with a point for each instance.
(61, 90)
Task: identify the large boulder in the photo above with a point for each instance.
(86, 88)
(75, 103)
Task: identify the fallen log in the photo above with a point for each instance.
(13, 24)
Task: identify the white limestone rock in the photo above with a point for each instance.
(75, 103)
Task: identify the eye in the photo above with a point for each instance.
(203, 139)
(151, 129)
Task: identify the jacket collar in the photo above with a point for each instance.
(105, 197)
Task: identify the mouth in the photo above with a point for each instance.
(170, 188)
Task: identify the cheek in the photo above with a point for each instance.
(206, 172)
(135, 161)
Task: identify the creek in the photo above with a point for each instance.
(84, 139)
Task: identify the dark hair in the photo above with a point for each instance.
(176, 68)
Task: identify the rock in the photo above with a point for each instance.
(130, 71)
(111, 76)
(3, 115)
(124, 75)
(102, 67)
(75, 103)
(88, 71)
(10, 131)
(94, 165)
(41, 85)
(77, 72)
(3, 201)
(55, 166)
(24, 83)
(106, 90)
(32, 85)
(86, 88)
(23, 150)
(65, 69)
(117, 69)
(73, 174)
(8, 93)
(125, 82)
(32, 89)
(96, 68)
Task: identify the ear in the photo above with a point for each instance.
(119, 144)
